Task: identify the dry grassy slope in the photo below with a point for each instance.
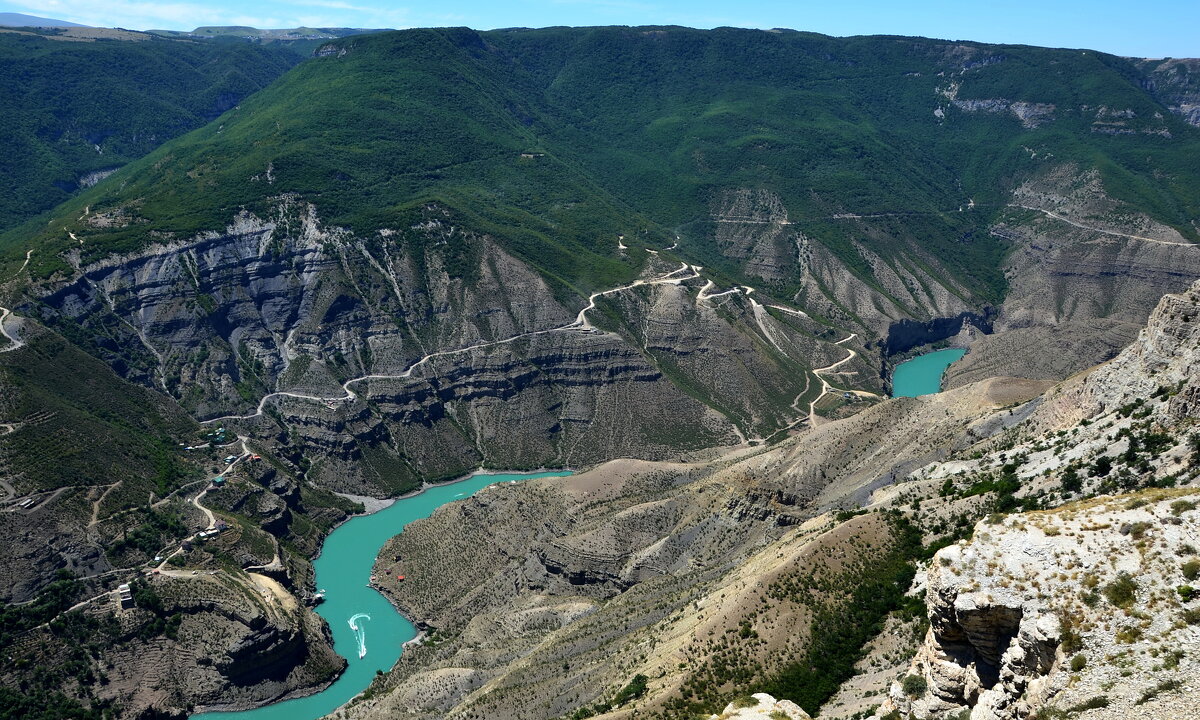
(841, 463)
(633, 564)
(563, 589)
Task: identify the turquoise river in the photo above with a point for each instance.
(367, 630)
(923, 374)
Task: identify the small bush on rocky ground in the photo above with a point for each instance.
(1121, 592)
(745, 701)
(1162, 687)
(1179, 507)
(914, 685)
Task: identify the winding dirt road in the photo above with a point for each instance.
(581, 323)
(1114, 233)
(826, 388)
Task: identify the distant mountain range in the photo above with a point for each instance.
(244, 31)
(22, 20)
(205, 31)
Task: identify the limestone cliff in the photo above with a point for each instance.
(1079, 609)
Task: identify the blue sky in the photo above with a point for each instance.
(1150, 28)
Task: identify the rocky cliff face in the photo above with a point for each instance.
(1159, 366)
(1083, 277)
(751, 227)
(428, 351)
(1176, 82)
(1076, 610)
(229, 644)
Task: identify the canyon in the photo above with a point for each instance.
(412, 257)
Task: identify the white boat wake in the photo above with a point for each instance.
(360, 633)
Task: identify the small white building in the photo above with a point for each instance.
(125, 595)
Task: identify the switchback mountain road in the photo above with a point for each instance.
(580, 323)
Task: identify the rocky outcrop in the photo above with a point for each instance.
(1030, 114)
(763, 707)
(752, 228)
(231, 647)
(1164, 355)
(898, 291)
(1176, 83)
(907, 334)
(983, 651)
(1033, 614)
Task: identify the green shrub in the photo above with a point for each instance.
(1191, 569)
(1100, 701)
(1179, 507)
(1078, 662)
(1071, 641)
(1136, 530)
(1121, 592)
(634, 690)
(1164, 686)
(1129, 635)
(914, 685)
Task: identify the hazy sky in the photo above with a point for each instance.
(1145, 28)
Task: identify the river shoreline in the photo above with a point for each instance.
(372, 506)
(380, 504)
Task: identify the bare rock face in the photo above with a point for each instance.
(1175, 82)
(1061, 610)
(1083, 277)
(983, 651)
(752, 227)
(396, 359)
(901, 291)
(1164, 355)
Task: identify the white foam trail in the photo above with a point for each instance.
(360, 633)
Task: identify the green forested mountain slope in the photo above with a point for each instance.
(643, 129)
(71, 109)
